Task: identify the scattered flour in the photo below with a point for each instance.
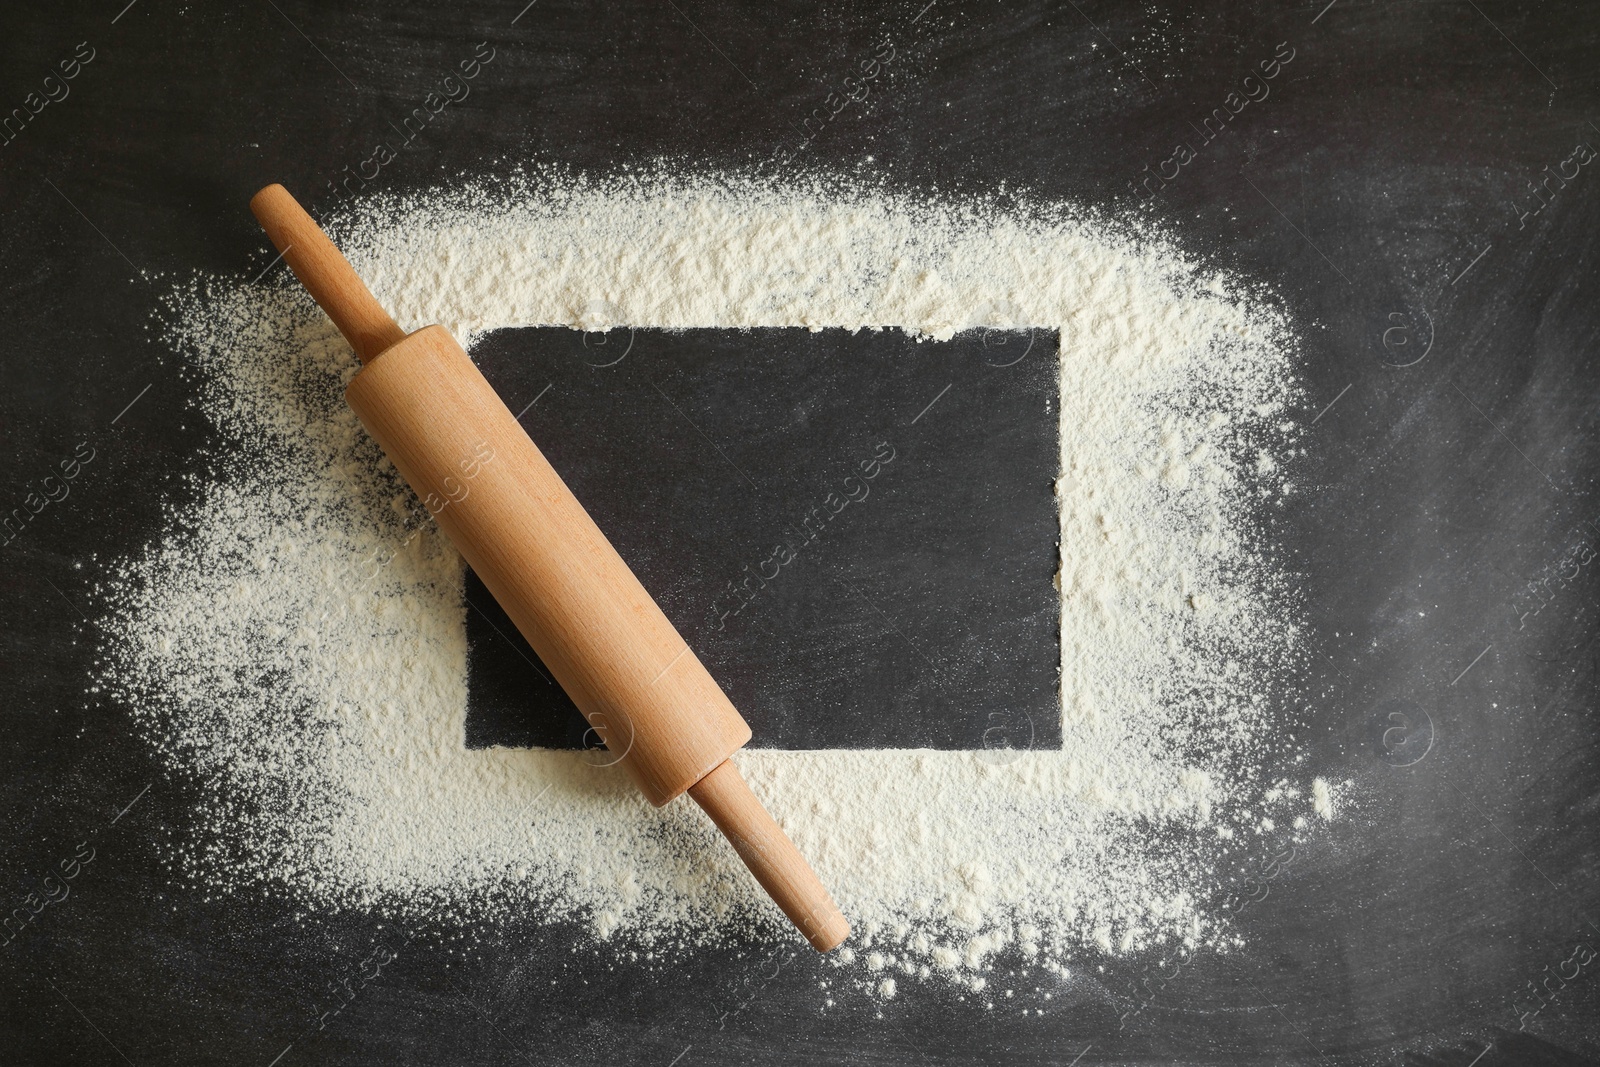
(1322, 797)
(295, 643)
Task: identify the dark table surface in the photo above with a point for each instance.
(1386, 188)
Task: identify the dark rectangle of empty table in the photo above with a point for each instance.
(856, 532)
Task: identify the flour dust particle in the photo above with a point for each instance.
(294, 641)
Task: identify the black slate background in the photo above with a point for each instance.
(1378, 188)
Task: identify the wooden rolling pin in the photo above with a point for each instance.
(492, 491)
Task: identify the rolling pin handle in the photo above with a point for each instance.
(330, 279)
(771, 856)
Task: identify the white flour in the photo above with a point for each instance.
(321, 710)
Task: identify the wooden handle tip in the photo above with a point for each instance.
(771, 856)
(325, 273)
(266, 199)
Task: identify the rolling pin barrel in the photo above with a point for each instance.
(508, 512)
(537, 550)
